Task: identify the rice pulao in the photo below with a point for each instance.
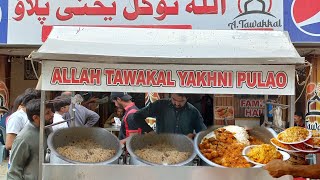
(86, 151)
(163, 154)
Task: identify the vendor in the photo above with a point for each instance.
(173, 115)
(128, 126)
(118, 113)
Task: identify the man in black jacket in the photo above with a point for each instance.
(173, 115)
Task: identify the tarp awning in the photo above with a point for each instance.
(167, 46)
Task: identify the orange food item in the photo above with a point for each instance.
(254, 141)
(224, 112)
(314, 141)
(284, 146)
(302, 146)
(225, 150)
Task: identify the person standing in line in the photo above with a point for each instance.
(16, 106)
(83, 116)
(25, 149)
(17, 103)
(18, 119)
(61, 106)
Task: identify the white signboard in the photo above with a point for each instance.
(209, 79)
(30, 21)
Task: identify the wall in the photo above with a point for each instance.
(236, 114)
(4, 92)
(17, 83)
(312, 92)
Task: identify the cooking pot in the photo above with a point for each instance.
(180, 142)
(62, 137)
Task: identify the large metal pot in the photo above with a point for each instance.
(264, 134)
(180, 142)
(101, 136)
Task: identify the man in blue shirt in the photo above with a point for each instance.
(173, 115)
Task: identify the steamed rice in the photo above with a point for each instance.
(239, 133)
(85, 150)
(162, 154)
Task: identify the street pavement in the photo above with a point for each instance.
(3, 169)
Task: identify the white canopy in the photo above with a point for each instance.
(163, 46)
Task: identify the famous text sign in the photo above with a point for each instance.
(252, 107)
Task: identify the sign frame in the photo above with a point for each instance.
(211, 79)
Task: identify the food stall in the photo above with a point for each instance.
(164, 61)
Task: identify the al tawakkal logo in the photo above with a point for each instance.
(255, 14)
(312, 112)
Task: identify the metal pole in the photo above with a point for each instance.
(53, 124)
(291, 110)
(41, 135)
(265, 110)
(73, 123)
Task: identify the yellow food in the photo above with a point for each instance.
(293, 134)
(264, 153)
(315, 133)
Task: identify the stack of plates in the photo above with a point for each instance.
(308, 144)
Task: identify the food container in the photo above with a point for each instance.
(246, 150)
(264, 134)
(180, 142)
(101, 136)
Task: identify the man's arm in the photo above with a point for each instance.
(91, 117)
(91, 100)
(19, 157)
(110, 119)
(306, 171)
(14, 126)
(140, 116)
(278, 168)
(9, 140)
(122, 132)
(199, 125)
